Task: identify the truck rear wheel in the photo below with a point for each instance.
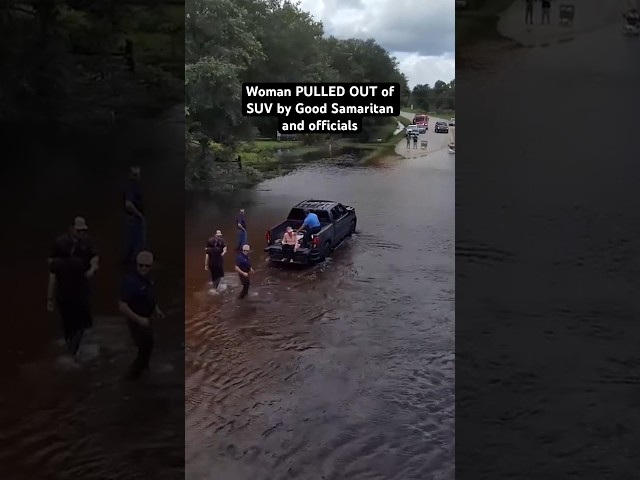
(326, 250)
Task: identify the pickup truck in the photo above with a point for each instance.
(338, 223)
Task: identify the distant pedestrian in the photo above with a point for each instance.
(415, 141)
(528, 13)
(546, 12)
(136, 224)
(243, 267)
(241, 224)
(408, 140)
(72, 262)
(139, 305)
(214, 258)
(239, 160)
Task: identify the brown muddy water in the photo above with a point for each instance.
(344, 370)
(88, 423)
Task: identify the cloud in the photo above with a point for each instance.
(419, 33)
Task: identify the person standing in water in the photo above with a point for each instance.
(73, 261)
(415, 141)
(546, 12)
(408, 135)
(243, 267)
(242, 230)
(135, 222)
(214, 258)
(528, 12)
(139, 305)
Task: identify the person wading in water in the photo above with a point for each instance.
(139, 305)
(242, 230)
(136, 225)
(73, 261)
(243, 267)
(214, 258)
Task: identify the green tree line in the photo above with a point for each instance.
(229, 42)
(56, 53)
(438, 98)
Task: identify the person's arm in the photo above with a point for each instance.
(241, 272)
(158, 313)
(130, 206)
(51, 288)
(240, 226)
(131, 315)
(224, 250)
(206, 258)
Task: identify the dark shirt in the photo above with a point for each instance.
(241, 221)
(139, 294)
(71, 282)
(546, 4)
(66, 246)
(243, 262)
(214, 249)
(133, 194)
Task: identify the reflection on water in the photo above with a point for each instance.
(341, 370)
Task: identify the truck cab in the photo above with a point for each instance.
(337, 222)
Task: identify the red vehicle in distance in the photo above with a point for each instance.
(421, 120)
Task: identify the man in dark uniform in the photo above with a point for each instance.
(136, 225)
(243, 267)
(72, 262)
(213, 260)
(139, 305)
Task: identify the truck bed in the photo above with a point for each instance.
(303, 255)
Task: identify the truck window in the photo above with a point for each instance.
(334, 213)
(341, 210)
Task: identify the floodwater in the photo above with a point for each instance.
(342, 370)
(549, 372)
(59, 422)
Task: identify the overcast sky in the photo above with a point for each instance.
(419, 33)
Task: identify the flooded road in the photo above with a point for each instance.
(58, 422)
(341, 371)
(548, 264)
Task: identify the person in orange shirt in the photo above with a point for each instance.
(289, 244)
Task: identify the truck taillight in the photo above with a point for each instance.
(315, 242)
(268, 238)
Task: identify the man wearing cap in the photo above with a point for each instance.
(312, 224)
(139, 305)
(214, 258)
(135, 219)
(72, 262)
(243, 267)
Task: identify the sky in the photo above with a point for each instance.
(419, 33)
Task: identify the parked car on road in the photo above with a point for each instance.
(441, 127)
(412, 129)
(338, 223)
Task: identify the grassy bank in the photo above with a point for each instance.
(261, 159)
(479, 21)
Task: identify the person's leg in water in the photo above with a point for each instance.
(143, 339)
(135, 237)
(246, 283)
(241, 240)
(408, 143)
(75, 319)
(545, 16)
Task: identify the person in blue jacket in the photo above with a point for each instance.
(310, 226)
